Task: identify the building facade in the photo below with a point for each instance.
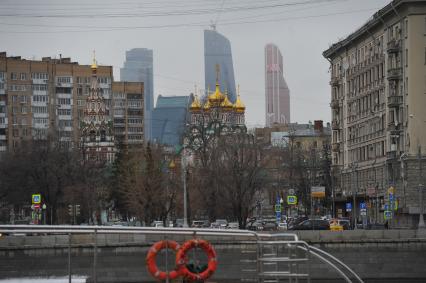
(169, 119)
(377, 99)
(277, 93)
(217, 52)
(295, 157)
(128, 112)
(139, 67)
(97, 137)
(45, 99)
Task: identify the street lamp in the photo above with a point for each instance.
(421, 219)
(185, 211)
(353, 167)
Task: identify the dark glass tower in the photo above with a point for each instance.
(217, 51)
(139, 67)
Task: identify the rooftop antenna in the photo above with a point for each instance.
(214, 24)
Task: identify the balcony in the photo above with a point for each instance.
(335, 147)
(334, 104)
(335, 81)
(395, 100)
(395, 73)
(391, 154)
(2, 137)
(335, 124)
(3, 148)
(393, 129)
(394, 46)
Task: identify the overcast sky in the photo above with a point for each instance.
(302, 29)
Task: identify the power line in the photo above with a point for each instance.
(194, 24)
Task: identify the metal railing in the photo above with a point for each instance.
(278, 241)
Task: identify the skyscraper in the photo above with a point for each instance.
(277, 93)
(217, 51)
(139, 67)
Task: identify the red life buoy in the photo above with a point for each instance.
(181, 260)
(152, 265)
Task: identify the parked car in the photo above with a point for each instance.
(296, 221)
(233, 225)
(255, 226)
(282, 226)
(179, 223)
(312, 224)
(157, 224)
(270, 226)
(219, 224)
(199, 224)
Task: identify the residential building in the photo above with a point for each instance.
(128, 112)
(217, 52)
(139, 67)
(169, 119)
(377, 100)
(46, 99)
(97, 136)
(41, 99)
(277, 93)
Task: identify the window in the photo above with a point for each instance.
(39, 87)
(63, 80)
(40, 76)
(23, 76)
(24, 109)
(1, 75)
(24, 121)
(64, 111)
(13, 76)
(23, 99)
(1, 85)
(64, 101)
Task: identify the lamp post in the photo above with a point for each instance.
(421, 220)
(353, 167)
(185, 212)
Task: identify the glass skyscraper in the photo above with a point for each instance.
(217, 51)
(139, 67)
(277, 93)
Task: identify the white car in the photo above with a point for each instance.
(233, 225)
(282, 226)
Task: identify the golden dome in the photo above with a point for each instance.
(217, 96)
(195, 105)
(226, 103)
(239, 105)
(94, 63)
(207, 106)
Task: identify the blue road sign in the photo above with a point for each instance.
(391, 197)
(278, 215)
(348, 206)
(387, 214)
(362, 205)
(386, 206)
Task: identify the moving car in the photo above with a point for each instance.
(312, 224)
(220, 224)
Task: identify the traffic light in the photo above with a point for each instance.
(70, 209)
(77, 209)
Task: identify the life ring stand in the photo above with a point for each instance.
(181, 260)
(151, 260)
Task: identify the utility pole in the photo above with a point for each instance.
(421, 220)
(185, 212)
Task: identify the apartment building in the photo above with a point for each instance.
(41, 99)
(128, 112)
(377, 98)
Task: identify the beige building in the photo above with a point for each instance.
(378, 76)
(128, 101)
(47, 98)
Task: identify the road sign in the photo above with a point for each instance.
(386, 206)
(318, 192)
(36, 199)
(362, 206)
(391, 190)
(292, 199)
(36, 206)
(391, 197)
(278, 216)
(348, 207)
(387, 214)
(278, 208)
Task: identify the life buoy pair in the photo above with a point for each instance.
(181, 260)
